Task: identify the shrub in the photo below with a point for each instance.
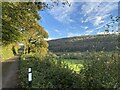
(102, 72)
(48, 73)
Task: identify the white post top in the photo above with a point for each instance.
(29, 69)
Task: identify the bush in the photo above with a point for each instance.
(48, 73)
(101, 71)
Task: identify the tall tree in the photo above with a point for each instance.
(19, 23)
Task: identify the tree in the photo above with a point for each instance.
(106, 31)
(113, 20)
(19, 23)
(14, 17)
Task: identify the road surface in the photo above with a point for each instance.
(10, 72)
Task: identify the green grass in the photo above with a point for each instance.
(78, 60)
(7, 52)
(73, 61)
(75, 65)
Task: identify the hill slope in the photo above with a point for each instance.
(84, 43)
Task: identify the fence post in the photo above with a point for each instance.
(30, 77)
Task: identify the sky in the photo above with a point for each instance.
(81, 18)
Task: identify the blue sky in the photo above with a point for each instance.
(81, 18)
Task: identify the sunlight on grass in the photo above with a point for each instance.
(7, 52)
(75, 65)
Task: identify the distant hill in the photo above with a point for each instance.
(84, 43)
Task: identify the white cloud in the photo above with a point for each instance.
(88, 8)
(73, 34)
(48, 39)
(84, 27)
(56, 30)
(117, 28)
(98, 20)
(78, 0)
(88, 32)
(100, 33)
(96, 12)
(103, 25)
(63, 14)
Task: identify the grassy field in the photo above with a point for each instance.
(75, 65)
(77, 60)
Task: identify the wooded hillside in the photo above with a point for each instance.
(84, 43)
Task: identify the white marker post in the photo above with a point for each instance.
(30, 77)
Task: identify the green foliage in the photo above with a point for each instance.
(48, 73)
(114, 20)
(19, 21)
(82, 55)
(99, 70)
(19, 24)
(102, 72)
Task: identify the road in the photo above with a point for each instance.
(10, 72)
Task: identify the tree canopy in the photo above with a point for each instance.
(19, 23)
(19, 16)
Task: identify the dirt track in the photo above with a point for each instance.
(9, 72)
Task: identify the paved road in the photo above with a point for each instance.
(10, 72)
